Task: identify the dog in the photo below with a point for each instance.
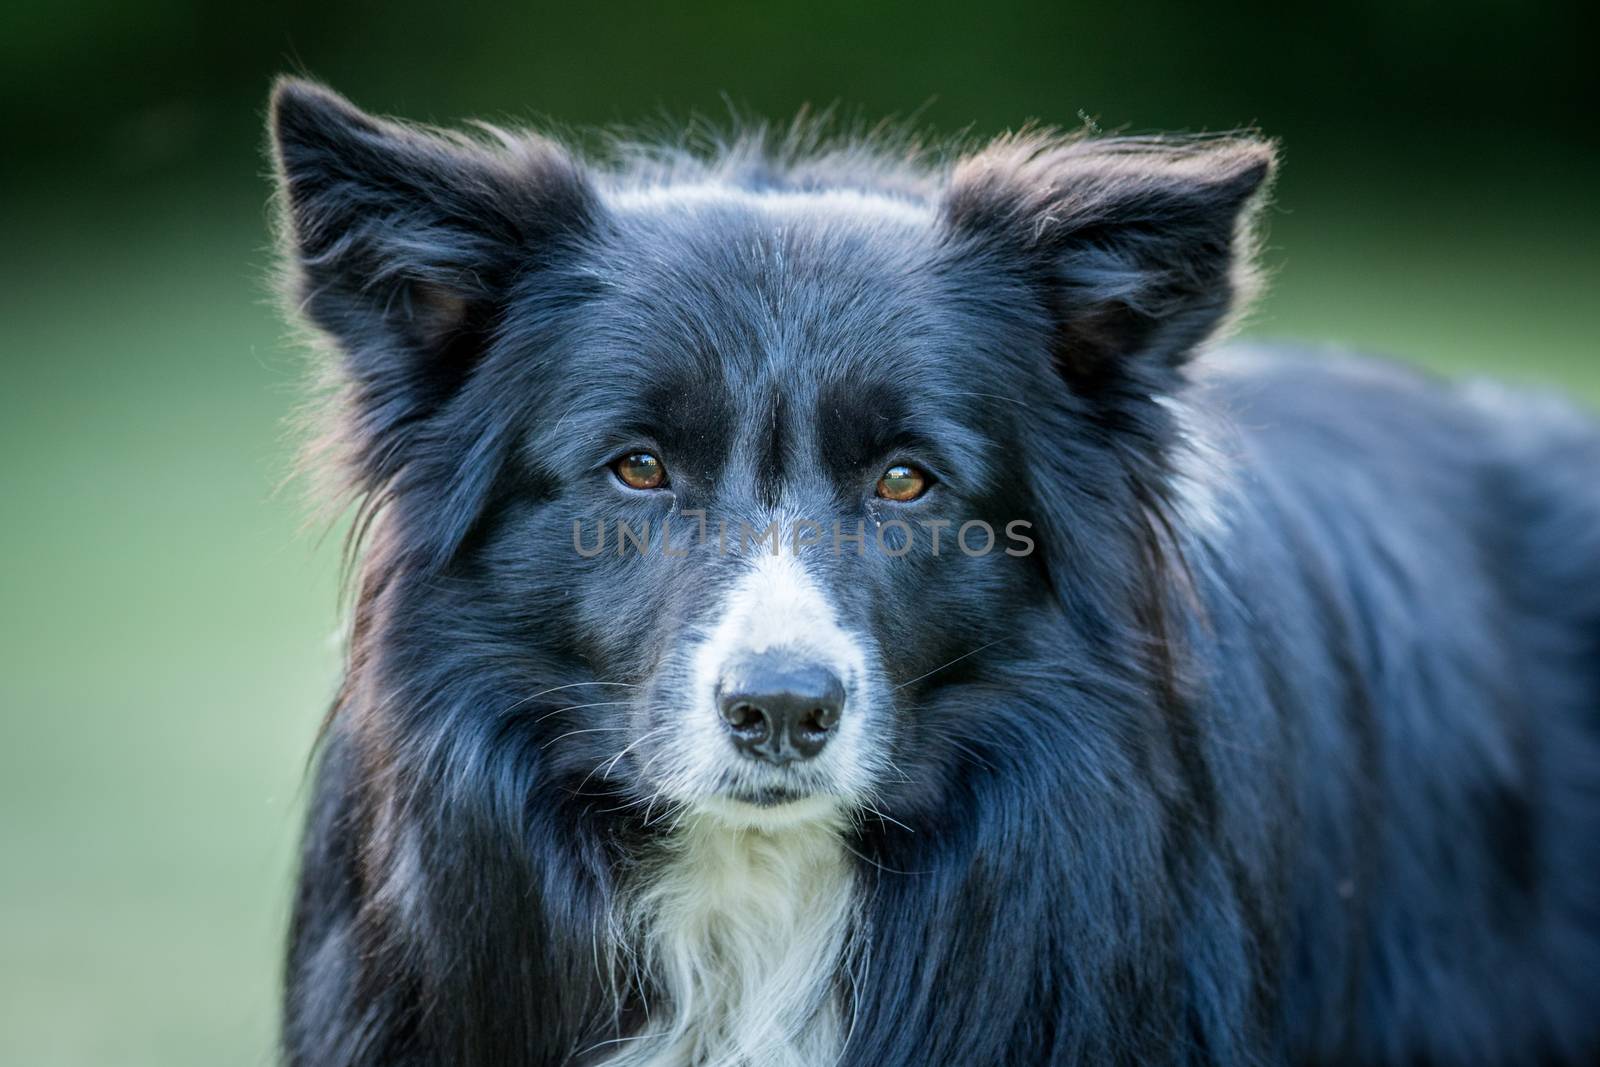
(825, 600)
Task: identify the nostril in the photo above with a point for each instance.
(818, 721)
(745, 717)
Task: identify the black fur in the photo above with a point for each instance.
(1284, 748)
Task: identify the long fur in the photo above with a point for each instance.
(1282, 748)
(750, 932)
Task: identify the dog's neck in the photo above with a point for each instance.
(742, 935)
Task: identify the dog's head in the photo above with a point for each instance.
(729, 482)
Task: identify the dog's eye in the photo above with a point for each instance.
(640, 470)
(902, 482)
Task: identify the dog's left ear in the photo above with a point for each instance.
(1136, 248)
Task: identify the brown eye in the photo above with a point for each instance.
(640, 470)
(902, 482)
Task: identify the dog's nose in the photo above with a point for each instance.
(779, 709)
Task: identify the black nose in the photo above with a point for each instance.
(779, 709)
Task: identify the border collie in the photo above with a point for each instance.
(829, 602)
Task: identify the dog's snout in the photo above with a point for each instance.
(778, 709)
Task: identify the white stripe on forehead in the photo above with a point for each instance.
(778, 605)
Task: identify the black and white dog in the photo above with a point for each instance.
(818, 603)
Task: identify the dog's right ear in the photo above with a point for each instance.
(402, 244)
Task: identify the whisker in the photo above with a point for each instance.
(611, 761)
(578, 707)
(591, 730)
(905, 779)
(648, 733)
(558, 688)
(573, 685)
(967, 752)
(870, 862)
(887, 818)
(942, 666)
(661, 790)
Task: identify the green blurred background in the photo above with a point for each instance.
(166, 651)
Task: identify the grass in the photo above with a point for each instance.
(166, 621)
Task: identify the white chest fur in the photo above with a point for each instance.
(745, 933)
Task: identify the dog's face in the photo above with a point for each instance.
(725, 490)
(774, 398)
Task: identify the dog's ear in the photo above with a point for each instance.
(403, 242)
(1136, 248)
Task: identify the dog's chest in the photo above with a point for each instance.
(744, 936)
